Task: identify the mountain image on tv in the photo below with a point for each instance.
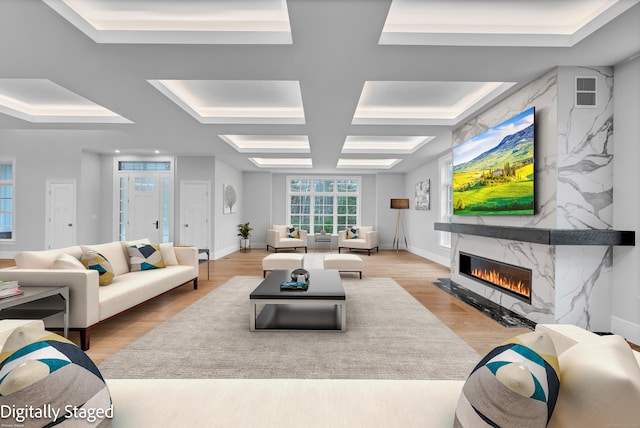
(493, 173)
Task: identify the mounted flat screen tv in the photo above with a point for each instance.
(493, 173)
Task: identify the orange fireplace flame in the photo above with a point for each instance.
(498, 279)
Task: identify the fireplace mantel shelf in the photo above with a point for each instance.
(544, 236)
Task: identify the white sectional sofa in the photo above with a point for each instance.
(363, 403)
(358, 403)
(90, 303)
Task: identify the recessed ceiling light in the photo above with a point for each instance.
(282, 162)
(237, 101)
(156, 151)
(192, 22)
(268, 143)
(43, 101)
(384, 144)
(367, 163)
(423, 103)
(117, 151)
(497, 23)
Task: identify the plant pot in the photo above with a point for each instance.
(245, 244)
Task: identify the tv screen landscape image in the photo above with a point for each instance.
(493, 173)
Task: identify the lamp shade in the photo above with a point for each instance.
(400, 204)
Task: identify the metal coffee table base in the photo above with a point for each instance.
(283, 315)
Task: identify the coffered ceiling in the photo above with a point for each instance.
(333, 85)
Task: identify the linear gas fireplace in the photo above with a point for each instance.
(510, 279)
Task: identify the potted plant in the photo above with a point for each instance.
(244, 232)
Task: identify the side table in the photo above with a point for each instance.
(37, 303)
(323, 239)
(206, 251)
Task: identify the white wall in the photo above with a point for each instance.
(257, 203)
(425, 241)
(390, 186)
(225, 225)
(626, 196)
(89, 199)
(40, 155)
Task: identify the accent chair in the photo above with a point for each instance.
(358, 238)
(281, 237)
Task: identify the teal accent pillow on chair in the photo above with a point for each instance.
(293, 233)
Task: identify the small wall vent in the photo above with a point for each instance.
(585, 91)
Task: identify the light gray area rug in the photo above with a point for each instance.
(390, 335)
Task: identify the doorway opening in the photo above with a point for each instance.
(144, 199)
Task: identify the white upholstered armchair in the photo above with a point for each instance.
(364, 238)
(278, 238)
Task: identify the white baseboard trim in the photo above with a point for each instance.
(8, 254)
(444, 261)
(626, 329)
(218, 254)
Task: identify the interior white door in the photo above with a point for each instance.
(195, 212)
(144, 207)
(61, 213)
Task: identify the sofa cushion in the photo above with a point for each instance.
(66, 261)
(168, 254)
(96, 261)
(137, 287)
(281, 229)
(600, 385)
(113, 252)
(515, 384)
(36, 259)
(145, 257)
(40, 369)
(352, 233)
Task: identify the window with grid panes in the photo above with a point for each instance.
(327, 203)
(446, 197)
(7, 186)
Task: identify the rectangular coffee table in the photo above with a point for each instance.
(322, 306)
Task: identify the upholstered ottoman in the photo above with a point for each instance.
(281, 261)
(344, 263)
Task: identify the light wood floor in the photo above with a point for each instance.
(412, 272)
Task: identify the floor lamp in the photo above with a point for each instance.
(399, 204)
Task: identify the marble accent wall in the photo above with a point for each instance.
(585, 152)
(541, 94)
(585, 199)
(574, 179)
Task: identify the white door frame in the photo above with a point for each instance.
(171, 174)
(49, 213)
(182, 208)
